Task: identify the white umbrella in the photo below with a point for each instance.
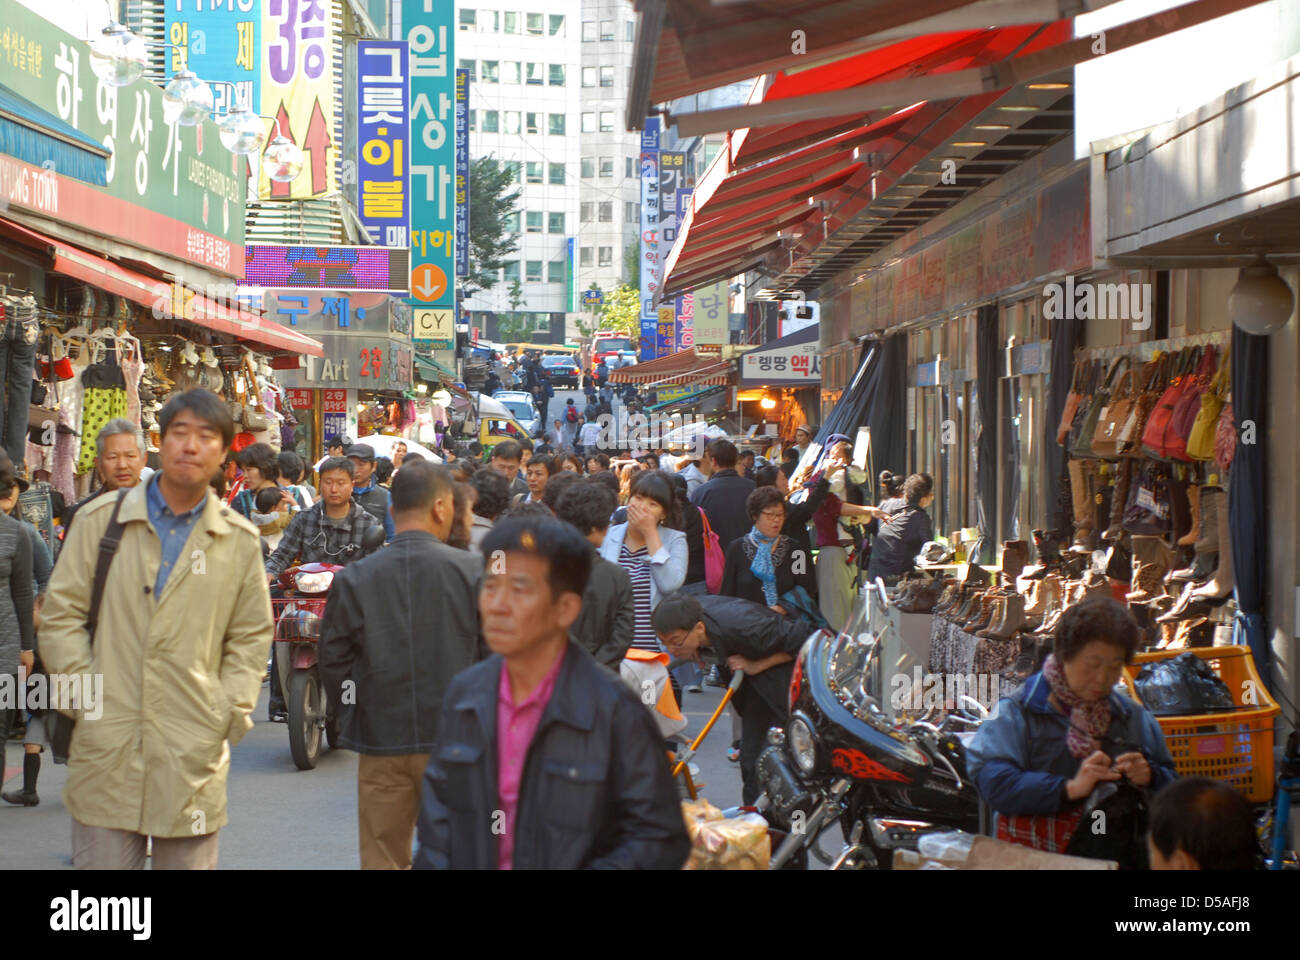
(383, 447)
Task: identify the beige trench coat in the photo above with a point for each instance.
(181, 671)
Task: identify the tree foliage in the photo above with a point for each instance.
(622, 311)
(493, 197)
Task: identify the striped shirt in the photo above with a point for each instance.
(638, 570)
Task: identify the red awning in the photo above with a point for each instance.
(156, 293)
(683, 367)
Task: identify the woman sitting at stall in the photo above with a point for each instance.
(764, 565)
(899, 540)
(1045, 748)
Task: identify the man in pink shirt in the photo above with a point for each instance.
(544, 759)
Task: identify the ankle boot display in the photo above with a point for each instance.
(1047, 595)
(1221, 584)
(1011, 622)
(1015, 557)
(1194, 499)
(1202, 569)
(1151, 561)
(1213, 501)
(984, 615)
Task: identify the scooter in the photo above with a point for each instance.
(298, 618)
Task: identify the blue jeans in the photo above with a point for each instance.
(17, 360)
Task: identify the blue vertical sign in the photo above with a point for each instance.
(383, 139)
(218, 41)
(429, 28)
(462, 173)
(649, 247)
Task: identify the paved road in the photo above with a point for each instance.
(281, 816)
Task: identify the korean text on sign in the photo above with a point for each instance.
(383, 136)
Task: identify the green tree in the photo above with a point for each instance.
(622, 311)
(513, 325)
(493, 197)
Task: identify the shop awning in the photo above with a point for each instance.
(155, 293)
(36, 136)
(684, 367)
(431, 369)
(791, 361)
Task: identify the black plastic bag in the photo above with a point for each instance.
(1113, 825)
(1181, 686)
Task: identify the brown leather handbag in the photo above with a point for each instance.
(1106, 443)
(1072, 402)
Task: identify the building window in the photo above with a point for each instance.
(534, 221)
(606, 76)
(541, 322)
(631, 31)
(489, 22)
(516, 170)
(556, 124)
(606, 166)
(607, 212)
(511, 72)
(585, 258)
(533, 271)
(588, 167)
(557, 75)
(557, 174)
(510, 22)
(469, 65)
(588, 31)
(629, 167)
(491, 121)
(588, 123)
(467, 19)
(607, 29)
(491, 71)
(631, 212)
(511, 222)
(511, 271)
(606, 256)
(473, 119)
(584, 212)
(534, 168)
(588, 76)
(556, 25)
(534, 24)
(530, 122)
(555, 223)
(533, 74)
(512, 121)
(607, 121)
(557, 271)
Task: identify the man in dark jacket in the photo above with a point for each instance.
(397, 627)
(366, 491)
(607, 624)
(543, 759)
(747, 637)
(723, 497)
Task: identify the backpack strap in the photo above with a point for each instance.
(108, 544)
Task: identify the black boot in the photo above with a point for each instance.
(26, 797)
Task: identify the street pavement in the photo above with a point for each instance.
(282, 817)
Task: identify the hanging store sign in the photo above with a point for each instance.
(354, 312)
(298, 90)
(710, 316)
(219, 41)
(651, 337)
(383, 140)
(170, 188)
(462, 173)
(431, 33)
(356, 363)
(327, 268)
(433, 329)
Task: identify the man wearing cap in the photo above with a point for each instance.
(365, 491)
(802, 439)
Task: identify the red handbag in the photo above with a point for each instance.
(1158, 438)
(1189, 405)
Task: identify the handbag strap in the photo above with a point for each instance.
(108, 544)
(1121, 360)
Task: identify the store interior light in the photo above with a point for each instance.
(767, 403)
(1047, 86)
(992, 126)
(970, 143)
(1261, 303)
(1018, 108)
(421, 388)
(118, 56)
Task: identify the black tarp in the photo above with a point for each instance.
(1057, 509)
(886, 409)
(984, 550)
(1248, 495)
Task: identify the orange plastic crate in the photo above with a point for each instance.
(1234, 748)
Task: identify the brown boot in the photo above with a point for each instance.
(1151, 560)
(1213, 501)
(1123, 480)
(1012, 621)
(1083, 491)
(1015, 557)
(1191, 536)
(1046, 596)
(984, 615)
(1222, 583)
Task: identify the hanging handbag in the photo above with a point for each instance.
(1146, 512)
(255, 420)
(1112, 417)
(1085, 408)
(1157, 437)
(1155, 376)
(1072, 402)
(1225, 438)
(1097, 407)
(1189, 405)
(1200, 441)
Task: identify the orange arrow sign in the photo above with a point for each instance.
(428, 282)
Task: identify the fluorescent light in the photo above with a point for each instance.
(969, 143)
(992, 126)
(1019, 108)
(1047, 86)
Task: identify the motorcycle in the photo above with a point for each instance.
(298, 617)
(848, 755)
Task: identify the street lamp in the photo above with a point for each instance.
(242, 133)
(283, 159)
(187, 100)
(118, 56)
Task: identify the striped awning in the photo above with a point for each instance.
(681, 368)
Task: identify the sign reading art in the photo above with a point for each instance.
(298, 90)
(170, 188)
(356, 363)
(383, 139)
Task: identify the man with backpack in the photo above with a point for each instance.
(572, 420)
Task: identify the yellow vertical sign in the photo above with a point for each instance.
(298, 90)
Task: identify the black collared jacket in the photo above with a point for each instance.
(596, 792)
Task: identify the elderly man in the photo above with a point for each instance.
(119, 458)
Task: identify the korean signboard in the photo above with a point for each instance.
(338, 311)
(298, 42)
(430, 31)
(383, 141)
(712, 304)
(170, 188)
(649, 248)
(462, 173)
(685, 321)
(354, 363)
(433, 328)
(220, 40)
(685, 303)
(784, 363)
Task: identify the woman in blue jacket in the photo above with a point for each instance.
(1045, 748)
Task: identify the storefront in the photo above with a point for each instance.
(780, 384)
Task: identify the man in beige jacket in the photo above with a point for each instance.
(183, 635)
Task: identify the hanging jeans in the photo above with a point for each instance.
(17, 360)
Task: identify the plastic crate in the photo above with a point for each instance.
(1235, 748)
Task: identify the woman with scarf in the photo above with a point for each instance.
(1067, 730)
(764, 565)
